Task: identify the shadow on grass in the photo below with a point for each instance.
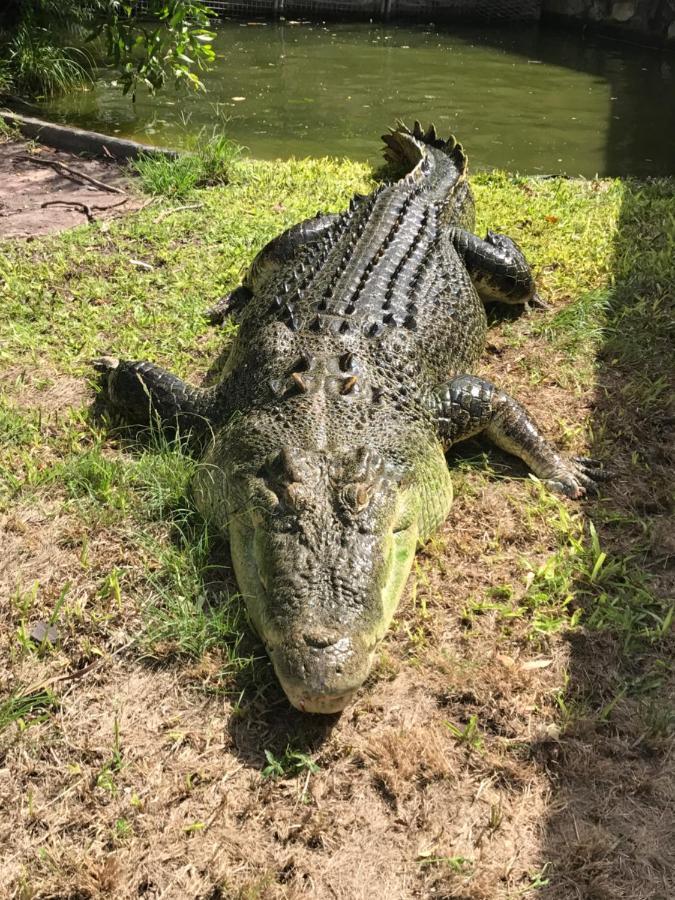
(197, 622)
(263, 719)
(610, 832)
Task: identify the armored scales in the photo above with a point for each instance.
(349, 377)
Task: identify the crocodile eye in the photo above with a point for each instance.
(282, 524)
(356, 496)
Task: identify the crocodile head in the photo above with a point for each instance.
(322, 547)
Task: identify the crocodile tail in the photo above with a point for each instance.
(405, 146)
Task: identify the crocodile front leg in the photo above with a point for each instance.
(143, 394)
(497, 266)
(466, 406)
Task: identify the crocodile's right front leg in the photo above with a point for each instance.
(497, 266)
(143, 394)
(467, 405)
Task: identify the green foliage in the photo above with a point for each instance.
(26, 709)
(172, 44)
(289, 764)
(190, 612)
(208, 162)
(33, 64)
(170, 40)
(453, 863)
(469, 735)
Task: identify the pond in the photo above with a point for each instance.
(528, 99)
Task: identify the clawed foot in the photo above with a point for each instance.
(228, 305)
(536, 302)
(578, 478)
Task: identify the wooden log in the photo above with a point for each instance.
(76, 140)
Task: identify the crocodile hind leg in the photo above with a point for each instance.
(229, 305)
(467, 406)
(276, 253)
(142, 394)
(497, 267)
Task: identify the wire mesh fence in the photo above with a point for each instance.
(420, 10)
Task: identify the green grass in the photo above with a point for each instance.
(469, 735)
(137, 584)
(71, 297)
(289, 764)
(25, 710)
(208, 162)
(33, 64)
(193, 610)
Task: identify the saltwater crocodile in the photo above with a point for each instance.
(348, 379)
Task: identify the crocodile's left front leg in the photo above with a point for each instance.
(143, 395)
(497, 266)
(466, 406)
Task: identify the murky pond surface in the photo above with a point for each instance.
(528, 99)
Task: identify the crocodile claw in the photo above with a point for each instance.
(578, 478)
(537, 302)
(105, 363)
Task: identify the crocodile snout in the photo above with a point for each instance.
(320, 671)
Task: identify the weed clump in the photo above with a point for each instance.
(207, 163)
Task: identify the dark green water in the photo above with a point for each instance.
(528, 99)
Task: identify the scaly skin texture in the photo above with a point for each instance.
(348, 379)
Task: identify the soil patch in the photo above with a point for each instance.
(38, 199)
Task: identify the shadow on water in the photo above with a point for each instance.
(612, 820)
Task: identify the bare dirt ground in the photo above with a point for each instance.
(37, 199)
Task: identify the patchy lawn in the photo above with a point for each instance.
(516, 738)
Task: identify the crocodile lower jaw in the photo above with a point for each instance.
(322, 704)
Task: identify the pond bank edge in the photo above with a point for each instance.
(77, 140)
